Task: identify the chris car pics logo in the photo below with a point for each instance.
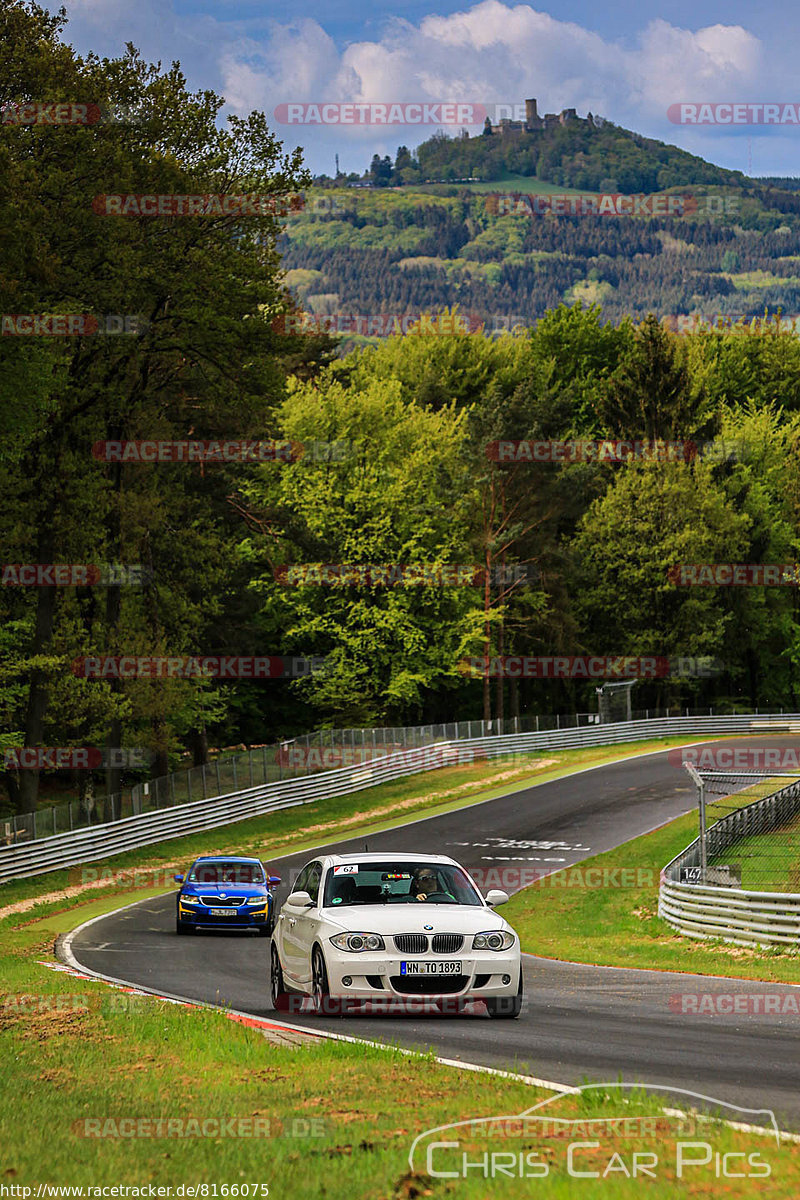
(630, 1135)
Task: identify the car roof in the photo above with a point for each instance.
(226, 858)
(400, 855)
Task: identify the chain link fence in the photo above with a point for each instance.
(753, 834)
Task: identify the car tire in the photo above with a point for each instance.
(269, 928)
(324, 1003)
(280, 997)
(505, 1007)
(181, 927)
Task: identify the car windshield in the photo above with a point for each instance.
(394, 882)
(226, 872)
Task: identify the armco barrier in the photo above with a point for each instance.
(733, 914)
(101, 841)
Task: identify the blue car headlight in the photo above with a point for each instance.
(190, 899)
(262, 900)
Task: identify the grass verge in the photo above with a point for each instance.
(102, 1088)
(93, 1076)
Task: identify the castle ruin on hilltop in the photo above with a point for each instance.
(533, 122)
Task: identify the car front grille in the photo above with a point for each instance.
(447, 943)
(411, 943)
(218, 902)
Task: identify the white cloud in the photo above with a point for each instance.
(491, 52)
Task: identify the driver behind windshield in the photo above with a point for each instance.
(425, 882)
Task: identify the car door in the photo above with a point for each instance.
(307, 923)
(286, 929)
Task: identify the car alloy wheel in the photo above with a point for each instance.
(277, 988)
(323, 1002)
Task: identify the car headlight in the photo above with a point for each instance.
(494, 939)
(190, 899)
(356, 942)
(256, 900)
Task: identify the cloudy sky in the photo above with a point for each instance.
(626, 61)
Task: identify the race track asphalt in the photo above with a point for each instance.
(578, 1022)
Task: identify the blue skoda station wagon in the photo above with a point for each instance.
(225, 892)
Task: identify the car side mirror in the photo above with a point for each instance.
(300, 900)
(495, 897)
(178, 878)
(274, 880)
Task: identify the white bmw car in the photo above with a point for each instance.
(394, 927)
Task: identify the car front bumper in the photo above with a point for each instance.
(240, 918)
(484, 974)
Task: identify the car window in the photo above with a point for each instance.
(399, 882)
(219, 872)
(312, 884)
(302, 879)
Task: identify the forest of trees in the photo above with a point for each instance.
(416, 415)
(410, 252)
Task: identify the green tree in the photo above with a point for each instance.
(207, 363)
(394, 499)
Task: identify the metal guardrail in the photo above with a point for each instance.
(305, 754)
(733, 914)
(129, 833)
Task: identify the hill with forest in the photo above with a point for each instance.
(496, 225)
(592, 155)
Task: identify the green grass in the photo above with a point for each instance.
(596, 914)
(770, 862)
(86, 1067)
(334, 1119)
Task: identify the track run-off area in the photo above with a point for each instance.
(579, 1022)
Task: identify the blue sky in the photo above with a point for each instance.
(629, 62)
